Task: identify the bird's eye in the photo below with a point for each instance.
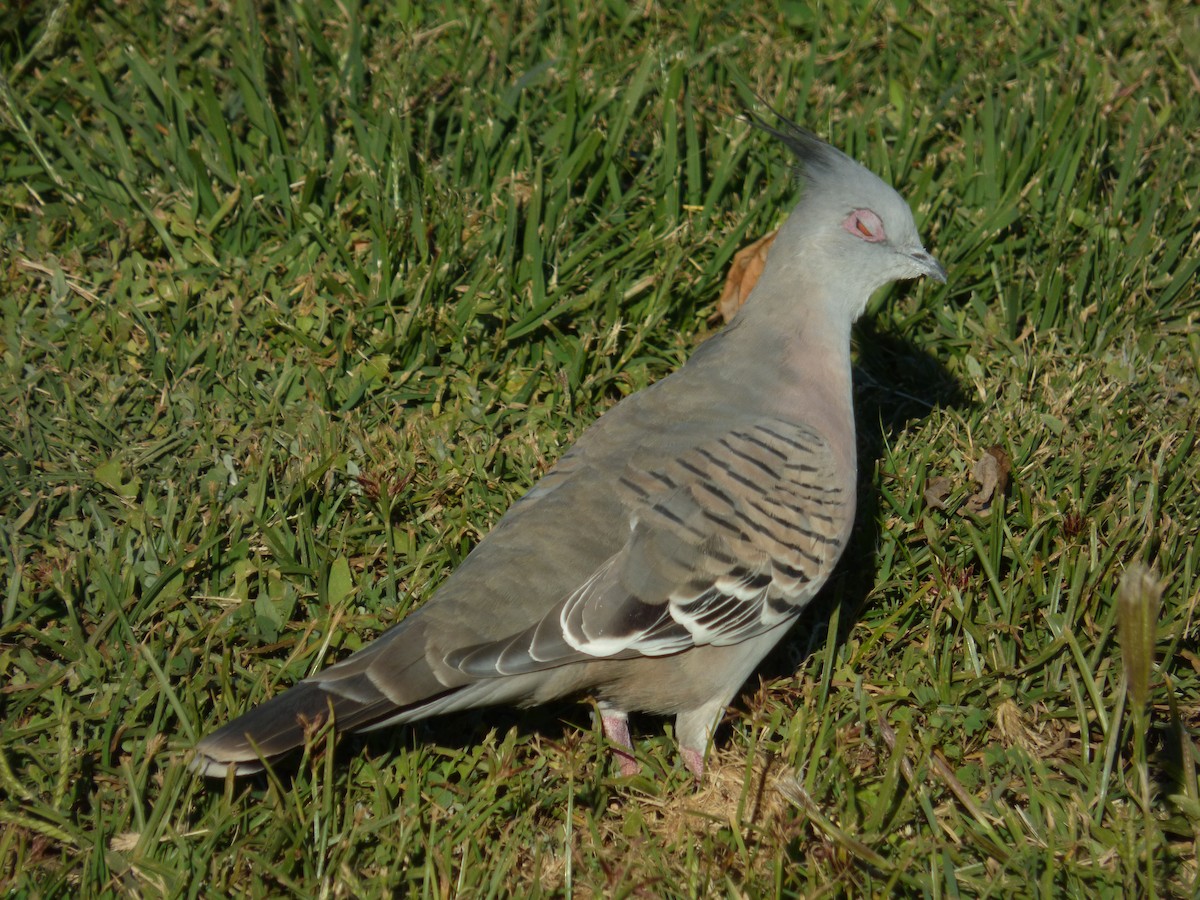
(865, 224)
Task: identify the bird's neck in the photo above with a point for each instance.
(808, 351)
(815, 361)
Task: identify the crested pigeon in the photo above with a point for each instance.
(663, 556)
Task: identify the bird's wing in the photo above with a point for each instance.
(727, 540)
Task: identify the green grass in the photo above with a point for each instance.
(298, 297)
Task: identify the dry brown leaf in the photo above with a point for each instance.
(743, 274)
(937, 490)
(992, 474)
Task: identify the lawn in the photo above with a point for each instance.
(298, 297)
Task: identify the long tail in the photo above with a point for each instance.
(387, 681)
(276, 727)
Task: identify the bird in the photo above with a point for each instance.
(665, 553)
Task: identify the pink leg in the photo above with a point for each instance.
(616, 729)
(694, 760)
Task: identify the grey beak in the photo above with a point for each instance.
(929, 266)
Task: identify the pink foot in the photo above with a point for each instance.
(694, 760)
(616, 729)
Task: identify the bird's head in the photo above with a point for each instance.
(856, 231)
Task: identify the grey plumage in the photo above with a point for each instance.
(666, 553)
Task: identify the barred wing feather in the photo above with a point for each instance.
(727, 540)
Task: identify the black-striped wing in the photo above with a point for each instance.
(726, 541)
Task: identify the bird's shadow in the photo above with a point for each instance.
(896, 383)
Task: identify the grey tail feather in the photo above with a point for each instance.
(349, 694)
(280, 725)
(284, 722)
